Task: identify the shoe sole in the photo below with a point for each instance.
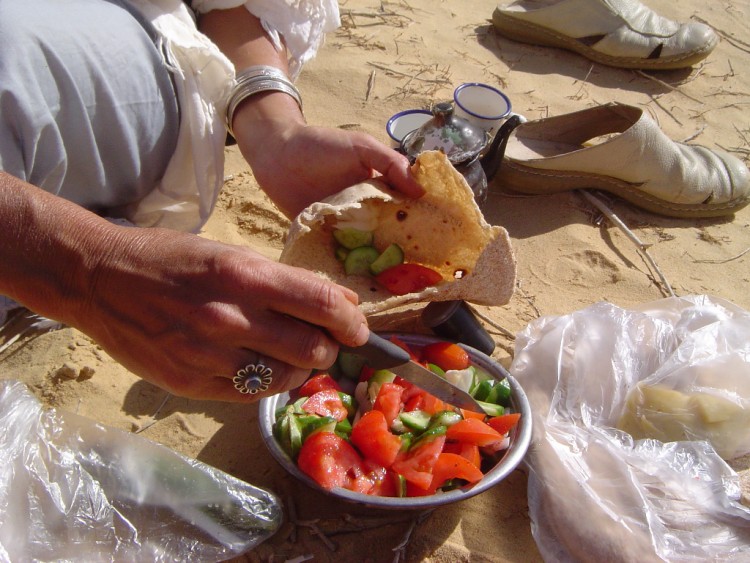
(526, 32)
(527, 180)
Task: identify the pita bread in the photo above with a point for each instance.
(443, 230)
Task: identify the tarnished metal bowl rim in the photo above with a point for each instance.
(520, 438)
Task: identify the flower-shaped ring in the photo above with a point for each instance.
(253, 378)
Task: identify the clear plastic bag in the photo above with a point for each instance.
(597, 494)
(71, 489)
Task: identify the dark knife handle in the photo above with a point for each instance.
(379, 352)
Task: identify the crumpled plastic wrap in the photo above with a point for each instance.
(72, 489)
(597, 494)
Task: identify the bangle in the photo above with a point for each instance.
(254, 80)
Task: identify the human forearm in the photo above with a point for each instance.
(50, 249)
(294, 163)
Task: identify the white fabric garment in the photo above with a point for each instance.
(186, 196)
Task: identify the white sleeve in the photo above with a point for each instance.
(302, 23)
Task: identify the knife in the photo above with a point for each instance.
(384, 354)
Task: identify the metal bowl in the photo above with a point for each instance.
(520, 437)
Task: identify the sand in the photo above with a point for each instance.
(391, 56)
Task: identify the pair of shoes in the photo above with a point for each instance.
(621, 33)
(635, 160)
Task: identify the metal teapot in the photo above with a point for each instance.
(467, 147)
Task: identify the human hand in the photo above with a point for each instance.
(187, 313)
(298, 164)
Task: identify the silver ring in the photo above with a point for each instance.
(253, 378)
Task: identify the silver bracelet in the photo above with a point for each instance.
(254, 80)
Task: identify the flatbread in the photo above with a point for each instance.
(443, 230)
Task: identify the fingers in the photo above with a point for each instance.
(303, 295)
(393, 165)
(258, 378)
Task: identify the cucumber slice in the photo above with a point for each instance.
(491, 409)
(391, 256)
(348, 401)
(358, 260)
(416, 420)
(406, 439)
(353, 238)
(341, 253)
(376, 381)
(500, 394)
(400, 485)
(445, 418)
(483, 390)
(436, 369)
(429, 435)
(350, 365)
(344, 428)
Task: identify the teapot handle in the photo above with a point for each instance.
(493, 157)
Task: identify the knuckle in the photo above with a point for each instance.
(314, 351)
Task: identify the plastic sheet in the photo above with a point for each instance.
(71, 489)
(595, 493)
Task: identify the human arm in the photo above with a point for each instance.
(296, 164)
(179, 310)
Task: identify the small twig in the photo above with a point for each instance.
(504, 331)
(740, 255)
(311, 524)
(668, 86)
(153, 416)
(292, 518)
(694, 135)
(300, 558)
(370, 85)
(400, 549)
(411, 77)
(669, 113)
(642, 247)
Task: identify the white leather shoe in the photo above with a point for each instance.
(621, 33)
(636, 162)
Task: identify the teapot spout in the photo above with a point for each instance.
(494, 156)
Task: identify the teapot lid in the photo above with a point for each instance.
(456, 137)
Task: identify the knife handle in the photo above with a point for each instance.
(379, 352)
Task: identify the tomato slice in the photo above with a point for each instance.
(385, 482)
(469, 451)
(502, 424)
(371, 436)
(408, 278)
(473, 431)
(416, 466)
(326, 403)
(319, 382)
(389, 402)
(332, 462)
(434, 405)
(473, 414)
(453, 466)
(447, 355)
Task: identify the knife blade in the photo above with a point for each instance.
(384, 354)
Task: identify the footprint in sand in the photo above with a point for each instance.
(586, 268)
